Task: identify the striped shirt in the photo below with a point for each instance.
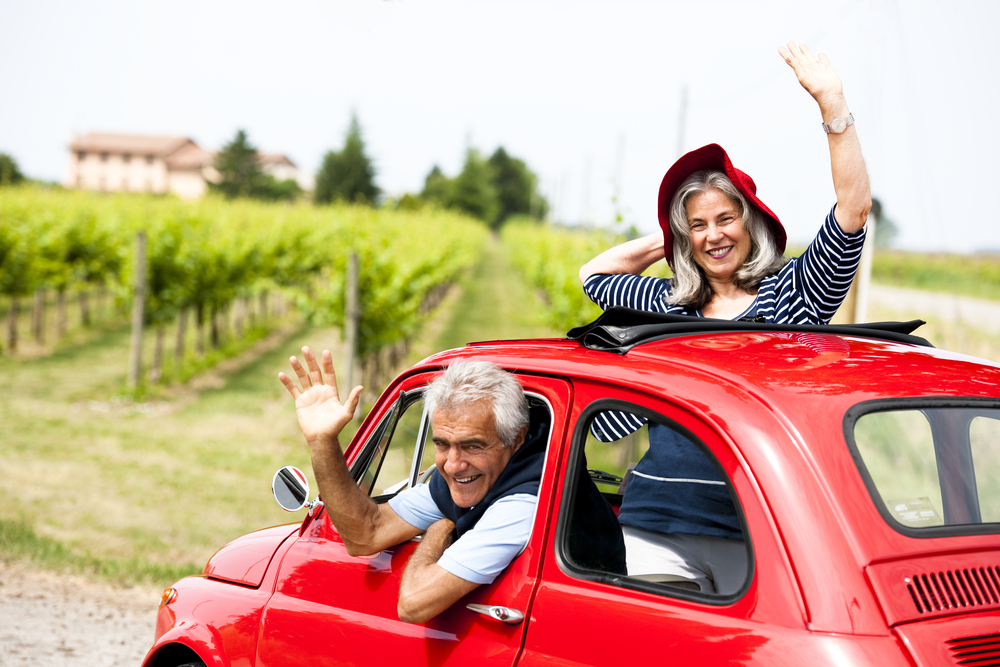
(807, 290)
(676, 488)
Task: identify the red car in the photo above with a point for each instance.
(864, 465)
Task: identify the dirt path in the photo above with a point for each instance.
(67, 621)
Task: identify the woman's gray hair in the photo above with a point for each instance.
(690, 287)
(466, 383)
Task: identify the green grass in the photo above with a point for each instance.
(976, 276)
(19, 541)
(152, 494)
(496, 303)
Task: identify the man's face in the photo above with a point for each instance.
(468, 453)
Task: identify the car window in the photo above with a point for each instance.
(984, 439)
(673, 516)
(930, 468)
(386, 465)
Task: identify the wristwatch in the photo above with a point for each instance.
(838, 125)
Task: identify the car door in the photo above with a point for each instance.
(330, 608)
(581, 616)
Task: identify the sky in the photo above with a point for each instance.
(599, 97)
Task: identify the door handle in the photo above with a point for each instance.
(503, 614)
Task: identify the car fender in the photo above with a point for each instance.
(198, 637)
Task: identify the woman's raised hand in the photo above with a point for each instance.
(816, 75)
(320, 413)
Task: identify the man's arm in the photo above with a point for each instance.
(365, 526)
(426, 589)
(850, 175)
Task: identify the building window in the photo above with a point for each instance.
(81, 156)
(149, 159)
(104, 157)
(126, 158)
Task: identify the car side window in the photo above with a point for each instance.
(679, 524)
(385, 466)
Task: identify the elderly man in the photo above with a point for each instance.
(477, 510)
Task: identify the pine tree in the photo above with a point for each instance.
(239, 168)
(348, 175)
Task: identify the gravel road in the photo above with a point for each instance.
(67, 621)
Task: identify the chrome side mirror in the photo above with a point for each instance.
(291, 490)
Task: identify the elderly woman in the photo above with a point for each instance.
(725, 247)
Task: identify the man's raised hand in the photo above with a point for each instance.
(320, 413)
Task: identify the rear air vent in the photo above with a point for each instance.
(982, 651)
(954, 590)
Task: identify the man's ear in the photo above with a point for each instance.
(519, 440)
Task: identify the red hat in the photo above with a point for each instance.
(714, 157)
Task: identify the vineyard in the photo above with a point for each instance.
(223, 273)
(550, 258)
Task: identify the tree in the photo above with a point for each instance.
(437, 187)
(472, 191)
(348, 175)
(239, 167)
(885, 229)
(516, 188)
(10, 173)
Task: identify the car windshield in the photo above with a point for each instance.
(930, 468)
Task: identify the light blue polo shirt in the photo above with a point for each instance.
(482, 553)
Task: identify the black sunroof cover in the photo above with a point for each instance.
(620, 329)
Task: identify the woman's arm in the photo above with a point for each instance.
(850, 175)
(632, 257)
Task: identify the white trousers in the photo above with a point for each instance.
(715, 564)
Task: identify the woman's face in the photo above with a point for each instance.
(719, 242)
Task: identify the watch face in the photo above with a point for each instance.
(838, 125)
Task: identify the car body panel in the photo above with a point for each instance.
(245, 559)
(216, 619)
(968, 639)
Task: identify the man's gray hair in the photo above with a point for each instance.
(690, 287)
(466, 383)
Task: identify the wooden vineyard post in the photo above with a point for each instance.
(351, 316)
(139, 291)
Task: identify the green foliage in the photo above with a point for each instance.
(472, 191)
(977, 276)
(10, 173)
(550, 258)
(491, 190)
(349, 175)
(437, 187)
(204, 254)
(239, 168)
(516, 188)
(274, 190)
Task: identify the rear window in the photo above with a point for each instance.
(931, 469)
